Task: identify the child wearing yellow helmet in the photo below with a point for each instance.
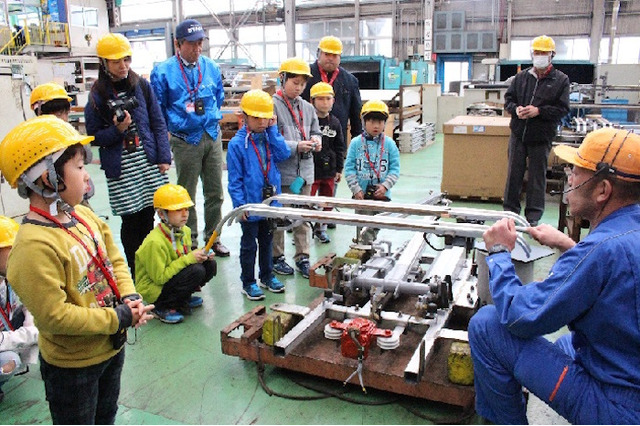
(253, 159)
(78, 289)
(372, 166)
(168, 272)
(18, 334)
(298, 123)
(330, 160)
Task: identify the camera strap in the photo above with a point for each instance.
(366, 153)
(300, 122)
(265, 170)
(5, 312)
(192, 93)
(97, 257)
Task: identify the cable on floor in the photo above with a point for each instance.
(461, 419)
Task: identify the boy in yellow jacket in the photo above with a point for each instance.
(68, 272)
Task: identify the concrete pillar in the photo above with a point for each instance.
(597, 27)
(290, 26)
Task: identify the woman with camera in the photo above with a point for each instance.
(128, 125)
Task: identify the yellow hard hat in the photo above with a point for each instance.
(47, 92)
(330, 44)
(33, 140)
(543, 43)
(295, 66)
(171, 197)
(257, 103)
(374, 106)
(614, 150)
(113, 46)
(8, 231)
(321, 89)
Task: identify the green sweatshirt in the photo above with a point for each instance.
(157, 260)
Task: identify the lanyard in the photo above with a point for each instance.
(325, 78)
(192, 93)
(265, 170)
(299, 123)
(366, 153)
(6, 312)
(184, 246)
(97, 257)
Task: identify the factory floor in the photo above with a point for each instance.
(177, 374)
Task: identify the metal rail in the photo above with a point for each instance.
(433, 227)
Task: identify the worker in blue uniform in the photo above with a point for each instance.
(592, 374)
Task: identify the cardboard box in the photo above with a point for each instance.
(475, 157)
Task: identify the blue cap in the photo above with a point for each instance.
(190, 30)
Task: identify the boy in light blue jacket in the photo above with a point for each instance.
(253, 176)
(372, 166)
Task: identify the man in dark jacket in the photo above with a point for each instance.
(345, 86)
(537, 99)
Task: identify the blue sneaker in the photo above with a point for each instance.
(273, 285)
(280, 266)
(169, 316)
(303, 266)
(253, 292)
(195, 302)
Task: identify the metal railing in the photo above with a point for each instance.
(54, 34)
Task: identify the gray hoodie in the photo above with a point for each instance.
(289, 130)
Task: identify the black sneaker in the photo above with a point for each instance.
(322, 236)
(280, 266)
(331, 225)
(303, 266)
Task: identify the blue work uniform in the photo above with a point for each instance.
(590, 376)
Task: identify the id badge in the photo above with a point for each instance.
(199, 106)
(190, 107)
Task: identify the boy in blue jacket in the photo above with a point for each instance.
(372, 166)
(253, 176)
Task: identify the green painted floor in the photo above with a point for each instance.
(177, 374)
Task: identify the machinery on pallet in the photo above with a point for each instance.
(389, 316)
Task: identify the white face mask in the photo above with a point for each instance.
(541, 61)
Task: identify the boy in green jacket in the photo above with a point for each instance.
(168, 272)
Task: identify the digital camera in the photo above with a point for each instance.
(118, 106)
(268, 191)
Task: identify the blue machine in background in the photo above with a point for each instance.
(378, 72)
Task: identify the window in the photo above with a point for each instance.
(626, 50)
(84, 16)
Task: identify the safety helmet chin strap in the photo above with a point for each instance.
(46, 193)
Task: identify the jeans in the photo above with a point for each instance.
(177, 291)
(204, 162)
(252, 231)
(503, 363)
(5, 357)
(135, 228)
(87, 395)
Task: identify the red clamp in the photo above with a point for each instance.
(357, 336)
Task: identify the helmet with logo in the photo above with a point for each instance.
(322, 89)
(614, 151)
(257, 103)
(330, 44)
(32, 141)
(543, 43)
(374, 106)
(113, 46)
(8, 231)
(47, 92)
(295, 66)
(171, 197)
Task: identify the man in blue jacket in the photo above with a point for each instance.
(592, 374)
(190, 92)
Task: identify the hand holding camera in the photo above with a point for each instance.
(125, 123)
(305, 148)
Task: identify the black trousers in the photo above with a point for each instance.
(178, 290)
(135, 228)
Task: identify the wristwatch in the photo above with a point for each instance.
(498, 248)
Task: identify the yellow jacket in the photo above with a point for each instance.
(71, 302)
